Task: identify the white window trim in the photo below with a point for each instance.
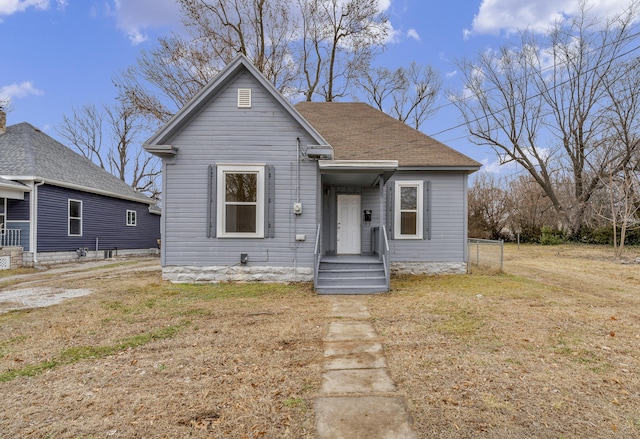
(220, 197)
(133, 223)
(69, 218)
(419, 214)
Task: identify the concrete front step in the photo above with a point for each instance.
(327, 273)
(350, 266)
(352, 281)
(351, 277)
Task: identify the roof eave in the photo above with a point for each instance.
(162, 151)
(141, 199)
(466, 168)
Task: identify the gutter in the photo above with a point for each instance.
(86, 189)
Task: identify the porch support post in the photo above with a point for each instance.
(382, 214)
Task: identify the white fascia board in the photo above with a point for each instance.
(469, 169)
(355, 165)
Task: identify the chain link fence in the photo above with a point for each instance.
(485, 255)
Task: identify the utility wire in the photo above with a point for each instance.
(629, 37)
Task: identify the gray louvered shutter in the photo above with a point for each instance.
(426, 209)
(270, 202)
(212, 181)
(390, 208)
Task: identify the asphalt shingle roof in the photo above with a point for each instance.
(357, 131)
(25, 151)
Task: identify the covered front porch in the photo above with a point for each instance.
(12, 193)
(352, 250)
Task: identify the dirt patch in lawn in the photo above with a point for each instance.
(547, 350)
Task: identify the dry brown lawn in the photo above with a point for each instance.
(548, 349)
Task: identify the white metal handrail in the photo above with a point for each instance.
(385, 256)
(317, 256)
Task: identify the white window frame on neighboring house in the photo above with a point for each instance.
(223, 204)
(74, 218)
(399, 210)
(132, 218)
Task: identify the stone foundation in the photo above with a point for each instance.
(15, 257)
(236, 273)
(428, 268)
(52, 258)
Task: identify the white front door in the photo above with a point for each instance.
(348, 224)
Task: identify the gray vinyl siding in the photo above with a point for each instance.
(103, 218)
(224, 134)
(18, 210)
(448, 232)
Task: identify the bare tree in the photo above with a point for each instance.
(622, 154)
(540, 105)
(339, 39)
(490, 207)
(5, 104)
(531, 209)
(165, 78)
(408, 95)
(108, 136)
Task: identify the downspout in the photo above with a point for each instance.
(34, 220)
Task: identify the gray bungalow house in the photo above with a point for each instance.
(338, 193)
(57, 206)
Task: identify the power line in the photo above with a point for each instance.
(541, 71)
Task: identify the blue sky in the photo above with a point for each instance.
(60, 54)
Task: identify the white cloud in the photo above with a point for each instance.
(451, 74)
(21, 90)
(137, 16)
(509, 16)
(412, 33)
(490, 167)
(384, 5)
(9, 7)
(498, 166)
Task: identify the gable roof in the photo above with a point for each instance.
(26, 153)
(357, 131)
(157, 144)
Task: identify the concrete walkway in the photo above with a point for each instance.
(359, 398)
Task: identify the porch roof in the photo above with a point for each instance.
(356, 172)
(12, 189)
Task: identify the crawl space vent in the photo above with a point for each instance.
(244, 98)
(5, 262)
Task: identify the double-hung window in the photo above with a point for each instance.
(240, 198)
(131, 218)
(408, 210)
(75, 218)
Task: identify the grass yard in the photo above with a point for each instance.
(548, 349)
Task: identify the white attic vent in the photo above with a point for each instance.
(244, 98)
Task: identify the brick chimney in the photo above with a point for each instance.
(3, 122)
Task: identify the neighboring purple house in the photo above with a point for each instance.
(57, 206)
